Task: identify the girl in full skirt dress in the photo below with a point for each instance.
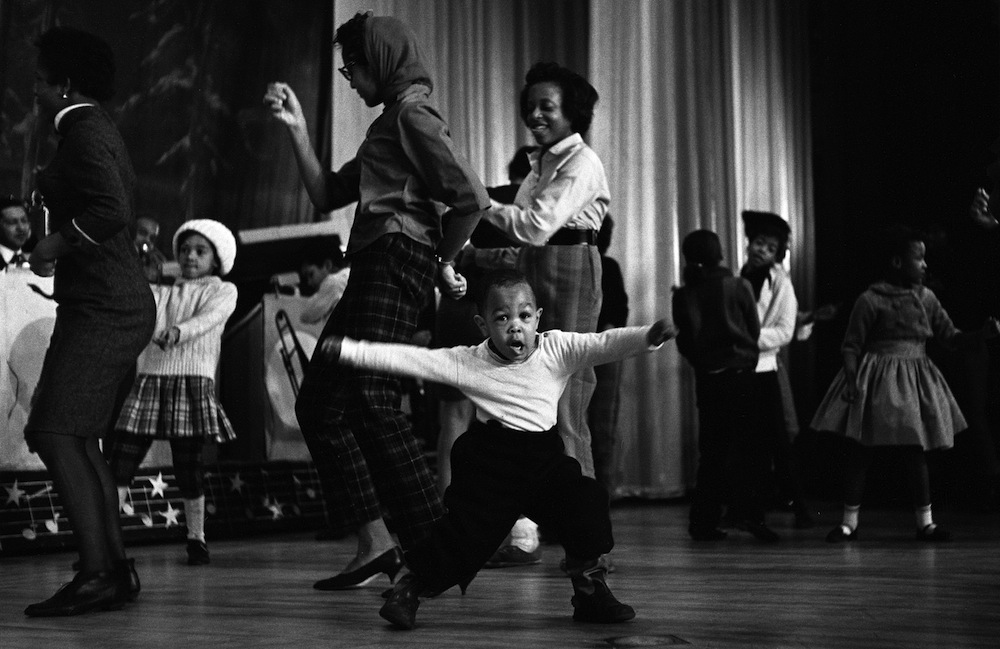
(889, 393)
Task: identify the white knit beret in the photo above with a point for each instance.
(219, 235)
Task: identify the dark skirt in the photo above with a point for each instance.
(91, 353)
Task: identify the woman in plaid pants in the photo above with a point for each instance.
(368, 461)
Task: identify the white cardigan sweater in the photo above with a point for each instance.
(199, 308)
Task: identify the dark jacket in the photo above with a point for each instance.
(717, 323)
(88, 189)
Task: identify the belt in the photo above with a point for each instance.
(572, 237)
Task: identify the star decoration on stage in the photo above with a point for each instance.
(159, 485)
(236, 483)
(15, 494)
(273, 506)
(170, 515)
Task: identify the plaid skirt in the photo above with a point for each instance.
(166, 407)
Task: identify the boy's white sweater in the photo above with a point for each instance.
(521, 396)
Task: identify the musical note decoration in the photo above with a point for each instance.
(238, 500)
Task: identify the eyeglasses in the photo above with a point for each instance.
(346, 69)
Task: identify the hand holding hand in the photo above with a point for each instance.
(330, 348)
(167, 338)
(280, 100)
(452, 283)
(979, 211)
(660, 332)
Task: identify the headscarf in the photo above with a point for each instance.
(393, 55)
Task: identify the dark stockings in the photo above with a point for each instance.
(88, 494)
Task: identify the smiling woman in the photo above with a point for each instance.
(556, 216)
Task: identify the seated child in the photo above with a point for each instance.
(511, 460)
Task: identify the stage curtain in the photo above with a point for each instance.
(704, 112)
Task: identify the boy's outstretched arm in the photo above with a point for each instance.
(660, 332)
(330, 348)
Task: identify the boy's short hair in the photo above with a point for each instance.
(505, 278)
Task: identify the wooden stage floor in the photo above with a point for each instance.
(885, 590)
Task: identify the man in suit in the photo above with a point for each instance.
(15, 230)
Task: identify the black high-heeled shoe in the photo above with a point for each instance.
(87, 592)
(463, 585)
(389, 562)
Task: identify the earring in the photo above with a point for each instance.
(65, 95)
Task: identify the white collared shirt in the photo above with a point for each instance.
(8, 255)
(567, 188)
(777, 308)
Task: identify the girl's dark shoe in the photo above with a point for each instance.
(389, 562)
(128, 579)
(87, 592)
(197, 553)
(400, 609)
(841, 533)
(934, 534)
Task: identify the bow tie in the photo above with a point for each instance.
(16, 261)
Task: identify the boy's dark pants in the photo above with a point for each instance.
(497, 475)
(725, 418)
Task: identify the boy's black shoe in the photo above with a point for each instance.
(592, 599)
(401, 607)
(600, 606)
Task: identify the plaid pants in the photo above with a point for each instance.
(567, 283)
(368, 461)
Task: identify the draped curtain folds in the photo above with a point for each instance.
(703, 113)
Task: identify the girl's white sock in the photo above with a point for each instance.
(851, 516)
(194, 515)
(924, 517)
